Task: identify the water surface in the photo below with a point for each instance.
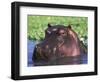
(31, 45)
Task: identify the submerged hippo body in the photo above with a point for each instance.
(60, 46)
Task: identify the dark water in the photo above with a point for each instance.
(31, 46)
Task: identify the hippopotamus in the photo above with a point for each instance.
(61, 46)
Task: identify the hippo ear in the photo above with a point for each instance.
(69, 26)
(49, 25)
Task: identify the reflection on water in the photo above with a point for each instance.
(31, 45)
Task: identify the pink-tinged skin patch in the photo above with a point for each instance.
(71, 51)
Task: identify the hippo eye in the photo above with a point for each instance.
(63, 33)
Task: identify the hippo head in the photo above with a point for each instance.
(60, 32)
(60, 42)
